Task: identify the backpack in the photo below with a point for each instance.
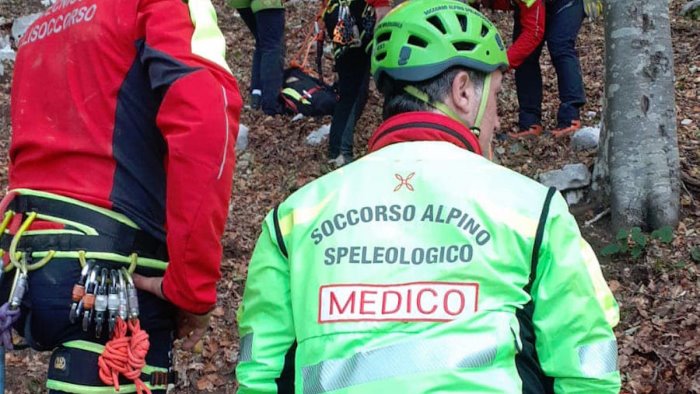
(306, 95)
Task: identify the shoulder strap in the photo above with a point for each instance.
(538, 237)
(278, 232)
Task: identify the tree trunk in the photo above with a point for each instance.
(638, 160)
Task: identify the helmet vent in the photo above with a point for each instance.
(380, 56)
(462, 22)
(435, 21)
(484, 31)
(464, 46)
(383, 37)
(417, 41)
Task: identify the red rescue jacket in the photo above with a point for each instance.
(532, 24)
(378, 3)
(127, 105)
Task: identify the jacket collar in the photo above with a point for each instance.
(423, 126)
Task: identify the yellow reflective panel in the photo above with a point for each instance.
(523, 225)
(207, 40)
(303, 215)
(602, 291)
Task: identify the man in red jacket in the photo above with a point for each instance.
(563, 21)
(528, 34)
(124, 117)
(529, 27)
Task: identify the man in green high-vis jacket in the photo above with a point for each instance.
(423, 267)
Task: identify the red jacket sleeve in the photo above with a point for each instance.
(503, 5)
(532, 33)
(198, 118)
(378, 3)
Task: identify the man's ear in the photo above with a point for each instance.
(462, 94)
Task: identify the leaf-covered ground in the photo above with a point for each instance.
(659, 332)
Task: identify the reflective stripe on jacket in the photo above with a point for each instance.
(409, 271)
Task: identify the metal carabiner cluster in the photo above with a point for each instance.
(101, 295)
(346, 32)
(20, 285)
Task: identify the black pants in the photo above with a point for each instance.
(563, 21)
(45, 324)
(353, 85)
(352, 66)
(267, 27)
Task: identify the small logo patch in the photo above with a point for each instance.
(404, 182)
(404, 55)
(60, 363)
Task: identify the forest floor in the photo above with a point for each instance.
(658, 291)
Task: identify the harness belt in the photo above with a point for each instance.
(67, 371)
(85, 229)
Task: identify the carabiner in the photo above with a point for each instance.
(21, 283)
(113, 298)
(132, 295)
(79, 292)
(89, 298)
(101, 302)
(123, 301)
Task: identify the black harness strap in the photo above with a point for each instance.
(538, 238)
(278, 232)
(526, 360)
(69, 365)
(114, 236)
(94, 244)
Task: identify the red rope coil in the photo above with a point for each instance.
(125, 355)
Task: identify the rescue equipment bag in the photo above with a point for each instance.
(306, 95)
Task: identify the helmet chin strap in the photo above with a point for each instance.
(484, 101)
(445, 109)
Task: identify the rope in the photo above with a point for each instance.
(15, 255)
(125, 355)
(8, 317)
(315, 34)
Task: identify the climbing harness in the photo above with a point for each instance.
(104, 300)
(350, 30)
(346, 34)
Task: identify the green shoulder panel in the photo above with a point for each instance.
(239, 3)
(259, 5)
(207, 39)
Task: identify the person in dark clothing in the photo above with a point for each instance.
(350, 24)
(529, 27)
(265, 19)
(563, 21)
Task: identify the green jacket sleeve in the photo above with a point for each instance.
(574, 310)
(265, 323)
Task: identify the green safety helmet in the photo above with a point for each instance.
(422, 38)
